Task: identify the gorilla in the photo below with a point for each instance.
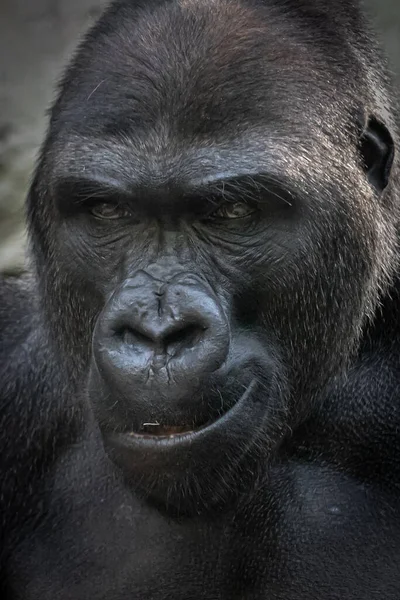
(200, 375)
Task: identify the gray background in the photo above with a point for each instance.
(36, 37)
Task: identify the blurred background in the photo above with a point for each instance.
(36, 38)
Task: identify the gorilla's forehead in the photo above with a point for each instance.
(202, 67)
(193, 90)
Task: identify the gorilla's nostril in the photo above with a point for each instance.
(134, 337)
(187, 336)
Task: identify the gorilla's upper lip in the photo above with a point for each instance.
(157, 434)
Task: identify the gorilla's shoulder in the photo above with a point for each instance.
(382, 334)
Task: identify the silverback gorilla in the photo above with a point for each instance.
(199, 381)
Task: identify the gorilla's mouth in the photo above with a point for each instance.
(158, 431)
(170, 463)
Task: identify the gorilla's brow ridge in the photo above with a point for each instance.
(120, 168)
(224, 188)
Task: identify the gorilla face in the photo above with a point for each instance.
(209, 235)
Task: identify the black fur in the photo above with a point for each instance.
(293, 492)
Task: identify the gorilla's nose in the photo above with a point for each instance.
(161, 336)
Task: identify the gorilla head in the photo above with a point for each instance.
(212, 220)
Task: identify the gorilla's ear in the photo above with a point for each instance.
(377, 150)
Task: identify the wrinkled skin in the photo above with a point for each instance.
(199, 380)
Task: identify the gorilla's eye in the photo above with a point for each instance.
(236, 210)
(108, 210)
